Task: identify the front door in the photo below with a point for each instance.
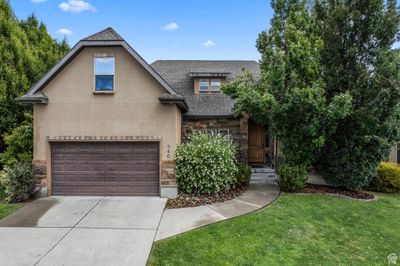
(256, 143)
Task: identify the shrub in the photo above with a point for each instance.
(19, 143)
(206, 164)
(243, 175)
(291, 178)
(18, 182)
(387, 179)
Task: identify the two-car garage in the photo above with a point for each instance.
(105, 168)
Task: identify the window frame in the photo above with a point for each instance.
(211, 86)
(103, 55)
(208, 85)
(209, 90)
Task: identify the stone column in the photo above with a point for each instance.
(244, 137)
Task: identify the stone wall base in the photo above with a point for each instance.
(169, 187)
(40, 171)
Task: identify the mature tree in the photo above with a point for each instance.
(357, 58)
(27, 51)
(290, 93)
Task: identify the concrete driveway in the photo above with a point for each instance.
(81, 231)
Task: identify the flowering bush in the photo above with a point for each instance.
(18, 181)
(206, 164)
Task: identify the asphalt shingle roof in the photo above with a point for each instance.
(177, 74)
(108, 34)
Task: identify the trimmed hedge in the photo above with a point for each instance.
(387, 179)
(291, 177)
(206, 164)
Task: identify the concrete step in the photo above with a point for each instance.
(263, 170)
(264, 181)
(263, 175)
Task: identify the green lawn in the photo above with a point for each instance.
(294, 230)
(6, 209)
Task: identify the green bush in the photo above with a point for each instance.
(291, 178)
(206, 164)
(18, 182)
(243, 175)
(387, 179)
(19, 143)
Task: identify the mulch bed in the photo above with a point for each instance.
(320, 189)
(183, 201)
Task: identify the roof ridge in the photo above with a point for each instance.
(108, 34)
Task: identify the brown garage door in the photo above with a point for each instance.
(116, 168)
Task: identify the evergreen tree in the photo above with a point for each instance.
(27, 52)
(357, 58)
(290, 95)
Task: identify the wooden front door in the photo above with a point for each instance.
(256, 143)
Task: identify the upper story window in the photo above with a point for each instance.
(208, 85)
(104, 70)
(204, 85)
(215, 85)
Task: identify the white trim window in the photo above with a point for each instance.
(104, 72)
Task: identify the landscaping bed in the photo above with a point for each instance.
(329, 190)
(183, 201)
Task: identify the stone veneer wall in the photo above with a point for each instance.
(238, 130)
(40, 170)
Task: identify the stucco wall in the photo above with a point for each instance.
(133, 110)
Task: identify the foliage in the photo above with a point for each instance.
(329, 85)
(243, 174)
(18, 182)
(387, 178)
(290, 94)
(357, 58)
(291, 178)
(27, 52)
(293, 230)
(206, 164)
(19, 143)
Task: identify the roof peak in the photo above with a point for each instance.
(108, 34)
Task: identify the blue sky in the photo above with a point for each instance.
(160, 29)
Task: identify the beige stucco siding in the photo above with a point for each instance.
(134, 109)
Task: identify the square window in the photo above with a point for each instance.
(215, 85)
(104, 68)
(104, 82)
(204, 85)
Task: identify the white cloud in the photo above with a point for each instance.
(38, 1)
(170, 26)
(208, 43)
(76, 6)
(65, 32)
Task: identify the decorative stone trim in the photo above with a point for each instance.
(40, 170)
(168, 173)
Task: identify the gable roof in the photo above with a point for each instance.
(179, 74)
(106, 37)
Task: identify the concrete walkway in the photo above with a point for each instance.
(81, 231)
(177, 221)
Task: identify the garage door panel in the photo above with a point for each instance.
(105, 168)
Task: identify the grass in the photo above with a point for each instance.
(5, 208)
(294, 230)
